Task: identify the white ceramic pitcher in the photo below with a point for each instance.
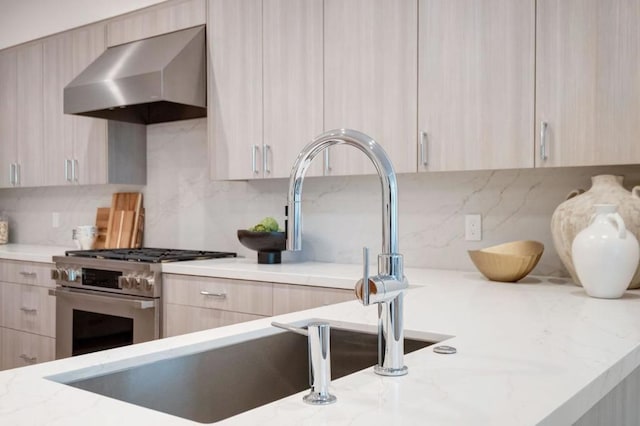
(605, 254)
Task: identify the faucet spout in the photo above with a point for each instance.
(388, 287)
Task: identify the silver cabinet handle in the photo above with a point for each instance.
(12, 173)
(327, 161)
(66, 170)
(17, 179)
(29, 359)
(266, 149)
(543, 141)
(217, 295)
(74, 170)
(28, 274)
(424, 145)
(254, 159)
(28, 310)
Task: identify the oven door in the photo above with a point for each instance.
(90, 321)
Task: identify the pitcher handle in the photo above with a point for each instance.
(617, 221)
(577, 192)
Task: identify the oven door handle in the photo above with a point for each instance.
(104, 298)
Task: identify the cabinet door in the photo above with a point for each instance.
(57, 126)
(160, 19)
(293, 71)
(290, 298)
(181, 319)
(588, 90)
(476, 84)
(89, 134)
(370, 80)
(21, 349)
(28, 308)
(234, 114)
(29, 115)
(8, 146)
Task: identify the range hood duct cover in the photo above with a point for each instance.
(148, 81)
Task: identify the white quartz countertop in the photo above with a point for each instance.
(31, 253)
(537, 352)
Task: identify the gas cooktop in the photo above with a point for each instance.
(149, 255)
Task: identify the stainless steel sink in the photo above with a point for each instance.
(215, 384)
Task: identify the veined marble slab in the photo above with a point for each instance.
(538, 352)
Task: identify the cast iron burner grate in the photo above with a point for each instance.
(150, 255)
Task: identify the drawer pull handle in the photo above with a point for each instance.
(218, 295)
(29, 359)
(28, 274)
(28, 310)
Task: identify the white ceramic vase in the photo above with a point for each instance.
(573, 215)
(605, 254)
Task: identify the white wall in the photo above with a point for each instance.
(25, 20)
(341, 214)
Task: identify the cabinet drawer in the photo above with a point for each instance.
(34, 273)
(28, 308)
(249, 297)
(291, 298)
(181, 319)
(20, 349)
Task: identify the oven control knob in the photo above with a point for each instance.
(55, 274)
(148, 284)
(123, 282)
(64, 276)
(73, 275)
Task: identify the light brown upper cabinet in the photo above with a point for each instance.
(476, 84)
(8, 147)
(292, 78)
(265, 85)
(75, 146)
(158, 19)
(588, 82)
(29, 169)
(370, 82)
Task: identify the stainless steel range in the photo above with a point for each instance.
(111, 297)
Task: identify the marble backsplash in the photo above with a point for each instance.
(341, 214)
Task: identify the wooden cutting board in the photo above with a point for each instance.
(102, 223)
(124, 220)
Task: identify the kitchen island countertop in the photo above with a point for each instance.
(536, 352)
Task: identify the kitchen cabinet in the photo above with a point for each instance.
(265, 86)
(587, 85)
(84, 150)
(159, 19)
(22, 349)
(370, 84)
(22, 114)
(76, 146)
(476, 84)
(291, 298)
(27, 317)
(193, 303)
(8, 147)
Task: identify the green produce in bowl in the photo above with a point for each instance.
(268, 224)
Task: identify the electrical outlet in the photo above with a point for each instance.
(473, 227)
(55, 220)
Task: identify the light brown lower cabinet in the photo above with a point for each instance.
(20, 349)
(193, 303)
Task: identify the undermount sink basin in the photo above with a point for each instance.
(221, 382)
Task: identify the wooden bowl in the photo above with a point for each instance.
(269, 245)
(507, 262)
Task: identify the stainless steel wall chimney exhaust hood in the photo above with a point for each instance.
(148, 81)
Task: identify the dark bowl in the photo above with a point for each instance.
(269, 245)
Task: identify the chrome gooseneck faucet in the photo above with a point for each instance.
(388, 287)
